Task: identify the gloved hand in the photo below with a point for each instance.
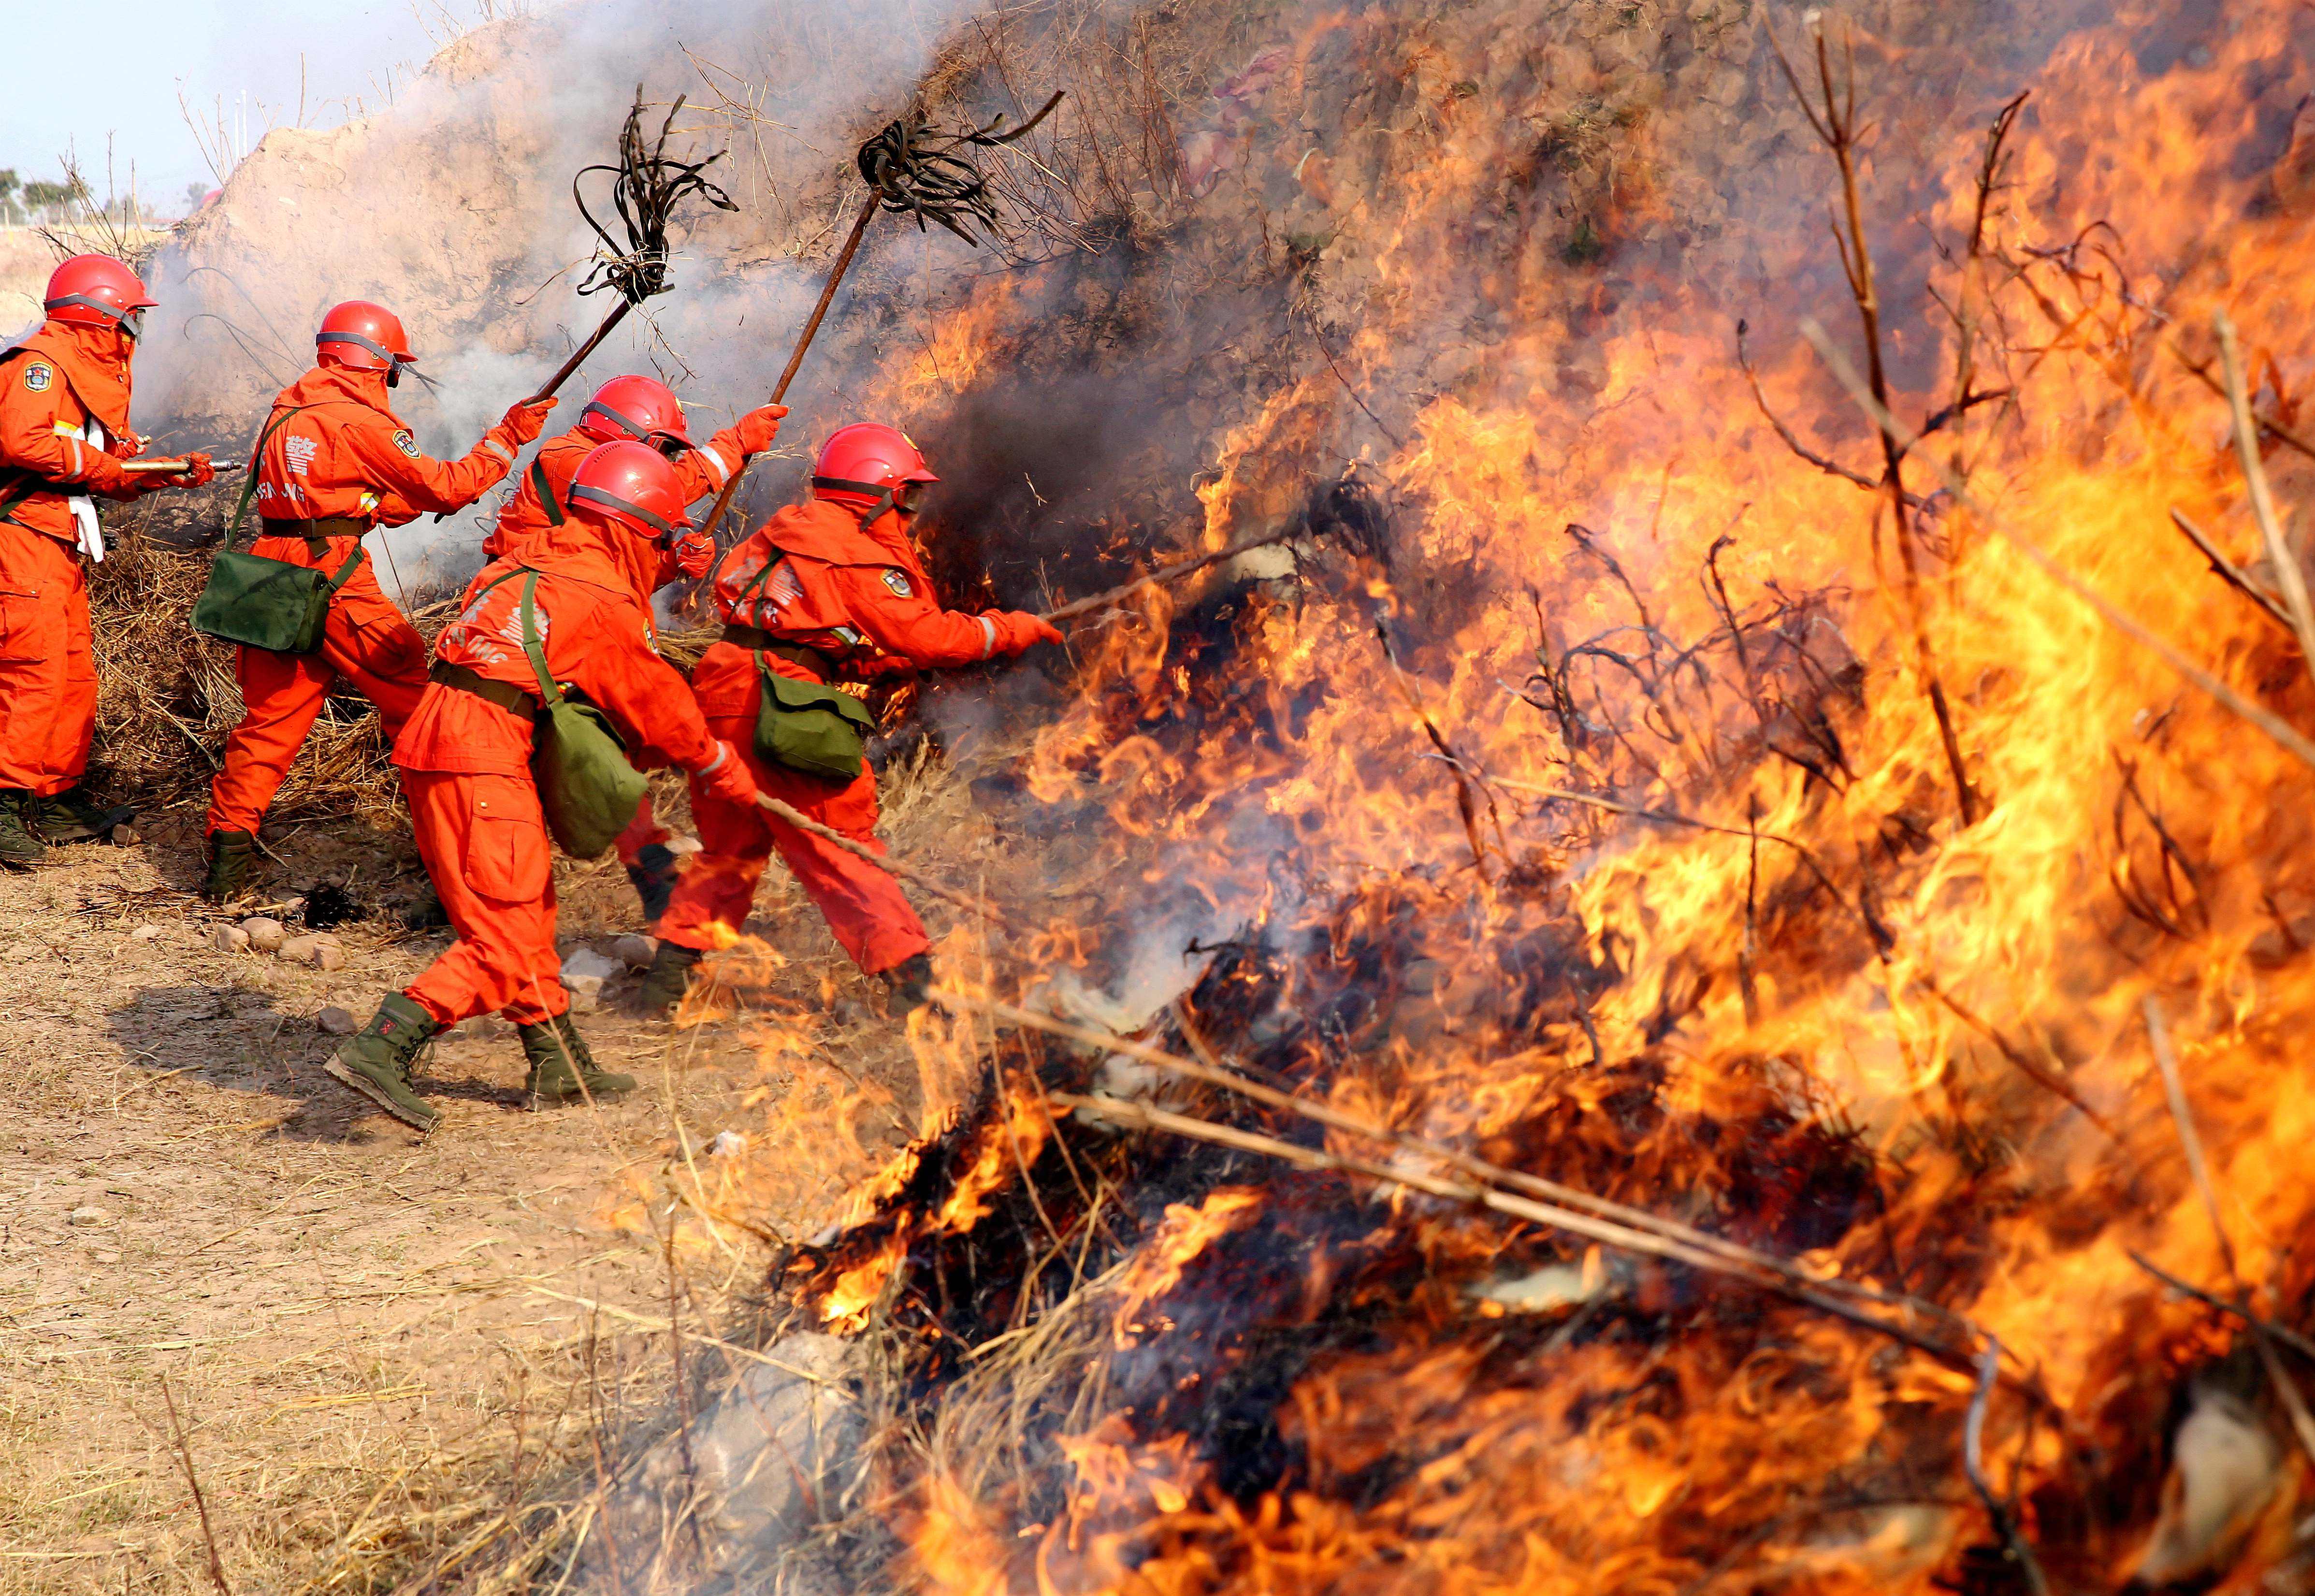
(525, 419)
(694, 553)
(129, 444)
(197, 474)
(101, 473)
(727, 779)
(1017, 631)
(759, 427)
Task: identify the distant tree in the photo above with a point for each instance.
(8, 187)
(47, 199)
(195, 192)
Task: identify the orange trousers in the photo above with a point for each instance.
(368, 641)
(864, 906)
(484, 841)
(48, 676)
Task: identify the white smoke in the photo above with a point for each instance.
(454, 208)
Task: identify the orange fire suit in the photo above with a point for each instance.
(345, 459)
(858, 598)
(64, 432)
(466, 761)
(698, 473)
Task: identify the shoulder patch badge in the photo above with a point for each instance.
(39, 375)
(405, 443)
(897, 580)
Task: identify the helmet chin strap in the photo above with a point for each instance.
(885, 496)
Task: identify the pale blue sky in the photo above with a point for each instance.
(82, 75)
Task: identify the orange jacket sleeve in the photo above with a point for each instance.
(621, 673)
(897, 612)
(702, 471)
(409, 480)
(30, 439)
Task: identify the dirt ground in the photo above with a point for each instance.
(371, 1339)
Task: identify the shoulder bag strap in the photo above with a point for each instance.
(346, 571)
(249, 484)
(555, 516)
(548, 693)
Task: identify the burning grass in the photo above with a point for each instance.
(1771, 850)
(1728, 825)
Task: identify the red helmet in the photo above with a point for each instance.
(633, 484)
(96, 291)
(866, 465)
(634, 407)
(365, 336)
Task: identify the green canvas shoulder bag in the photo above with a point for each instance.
(262, 603)
(804, 726)
(588, 789)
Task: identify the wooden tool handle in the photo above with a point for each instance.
(796, 358)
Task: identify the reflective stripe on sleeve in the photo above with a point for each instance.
(988, 635)
(499, 449)
(716, 463)
(723, 752)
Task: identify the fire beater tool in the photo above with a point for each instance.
(1170, 574)
(646, 185)
(913, 169)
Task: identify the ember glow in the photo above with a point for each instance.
(1576, 800)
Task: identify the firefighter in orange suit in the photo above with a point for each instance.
(845, 597)
(465, 757)
(64, 435)
(646, 411)
(334, 461)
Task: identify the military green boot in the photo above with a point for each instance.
(74, 816)
(377, 1063)
(560, 1064)
(231, 854)
(668, 978)
(19, 848)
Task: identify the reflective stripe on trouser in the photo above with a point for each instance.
(485, 846)
(368, 641)
(864, 906)
(48, 676)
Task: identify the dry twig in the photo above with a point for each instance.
(2190, 1141)
(2279, 554)
(2285, 736)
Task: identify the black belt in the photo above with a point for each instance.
(316, 532)
(772, 642)
(514, 700)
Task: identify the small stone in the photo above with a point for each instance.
(635, 952)
(302, 950)
(483, 1028)
(145, 934)
(230, 939)
(89, 1214)
(329, 956)
(265, 935)
(586, 992)
(728, 1144)
(587, 964)
(124, 835)
(336, 1020)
